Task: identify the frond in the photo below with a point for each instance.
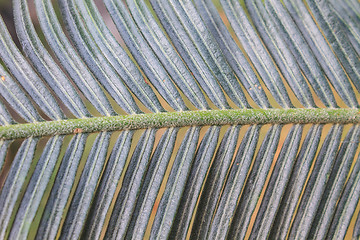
(186, 120)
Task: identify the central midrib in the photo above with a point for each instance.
(182, 119)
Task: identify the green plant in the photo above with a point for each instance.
(290, 70)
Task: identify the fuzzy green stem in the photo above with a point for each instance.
(181, 119)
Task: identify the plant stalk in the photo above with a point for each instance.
(182, 119)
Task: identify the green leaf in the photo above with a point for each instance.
(26, 76)
(254, 184)
(101, 68)
(151, 185)
(234, 184)
(17, 98)
(316, 185)
(346, 206)
(144, 55)
(55, 207)
(194, 183)
(183, 119)
(130, 190)
(232, 52)
(85, 190)
(106, 191)
(36, 188)
(335, 184)
(43, 63)
(215, 182)
(4, 145)
(69, 58)
(301, 51)
(323, 52)
(338, 40)
(280, 175)
(175, 184)
(256, 51)
(14, 182)
(186, 46)
(295, 185)
(166, 53)
(279, 50)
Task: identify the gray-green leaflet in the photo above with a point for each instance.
(180, 119)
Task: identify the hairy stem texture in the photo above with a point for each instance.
(181, 119)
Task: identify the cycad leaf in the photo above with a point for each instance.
(355, 42)
(130, 190)
(151, 184)
(234, 185)
(280, 51)
(16, 97)
(5, 117)
(188, 50)
(175, 185)
(335, 184)
(356, 233)
(315, 187)
(296, 183)
(43, 62)
(108, 183)
(69, 58)
(104, 72)
(36, 188)
(232, 52)
(144, 55)
(324, 54)
(338, 40)
(168, 78)
(256, 51)
(14, 182)
(354, 5)
(301, 51)
(115, 55)
(166, 53)
(279, 177)
(254, 184)
(79, 208)
(26, 76)
(4, 145)
(208, 47)
(196, 178)
(55, 207)
(214, 183)
(349, 21)
(346, 206)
